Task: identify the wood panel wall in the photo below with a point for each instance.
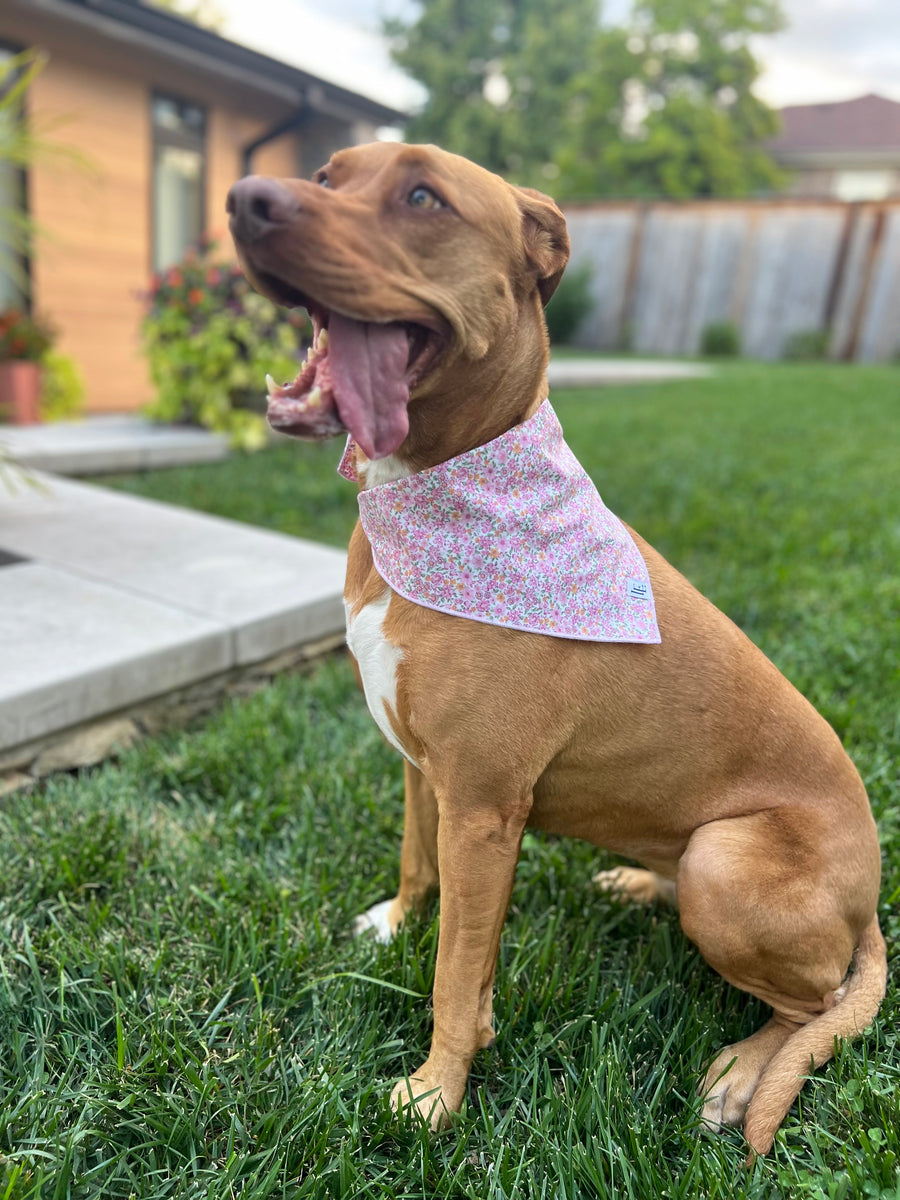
(90, 202)
(661, 273)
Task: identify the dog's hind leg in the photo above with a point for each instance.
(418, 860)
(776, 904)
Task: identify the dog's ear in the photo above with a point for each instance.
(546, 239)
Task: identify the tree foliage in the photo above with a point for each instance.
(205, 13)
(541, 92)
(499, 75)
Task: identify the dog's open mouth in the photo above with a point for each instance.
(357, 378)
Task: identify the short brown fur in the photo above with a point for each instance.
(694, 757)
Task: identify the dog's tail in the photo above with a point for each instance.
(813, 1044)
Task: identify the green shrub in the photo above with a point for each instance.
(211, 340)
(721, 340)
(569, 305)
(806, 345)
(62, 387)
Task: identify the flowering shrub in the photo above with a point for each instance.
(211, 340)
(23, 337)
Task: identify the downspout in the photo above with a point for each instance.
(297, 120)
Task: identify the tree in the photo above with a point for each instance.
(669, 109)
(498, 74)
(662, 106)
(205, 13)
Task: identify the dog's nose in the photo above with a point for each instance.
(257, 205)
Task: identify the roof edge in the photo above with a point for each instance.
(176, 38)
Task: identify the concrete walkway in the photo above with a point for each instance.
(100, 445)
(107, 600)
(600, 372)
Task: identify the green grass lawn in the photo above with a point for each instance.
(183, 1012)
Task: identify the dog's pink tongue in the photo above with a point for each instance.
(368, 368)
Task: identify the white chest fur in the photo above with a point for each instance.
(378, 659)
(375, 472)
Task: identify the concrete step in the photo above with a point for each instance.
(100, 445)
(107, 599)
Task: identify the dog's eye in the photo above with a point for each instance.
(423, 197)
(322, 181)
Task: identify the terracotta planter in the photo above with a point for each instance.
(20, 391)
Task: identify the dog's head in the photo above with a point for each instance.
(412, 262)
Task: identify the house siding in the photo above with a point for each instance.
(91, 204)
(821, 182)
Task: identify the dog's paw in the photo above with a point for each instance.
(726, 1091)
(722, 1110)
(377, 919)
(635, 884)
(731, 1081)
(418, 1096)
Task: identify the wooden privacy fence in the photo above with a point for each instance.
(661, 272)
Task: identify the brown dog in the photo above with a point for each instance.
(695, 756)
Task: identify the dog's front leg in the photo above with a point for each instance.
(419, 852)
(418, 860)
(478, 847)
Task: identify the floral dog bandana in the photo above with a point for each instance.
(512, 533)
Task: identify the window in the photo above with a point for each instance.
(13, 262)
(179, 169)
(862, 185)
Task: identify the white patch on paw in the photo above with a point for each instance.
(375, 918)
(712, 1115)
(726, 1093)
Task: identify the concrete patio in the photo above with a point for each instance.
(107, 601)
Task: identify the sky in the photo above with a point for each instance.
(831, 50)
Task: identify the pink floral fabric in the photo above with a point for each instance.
(512, 533)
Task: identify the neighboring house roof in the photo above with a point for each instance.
(129, 21)
(868, 127)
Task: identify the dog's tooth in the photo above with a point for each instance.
(271, 385)
(314, 399)
(322, 343)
